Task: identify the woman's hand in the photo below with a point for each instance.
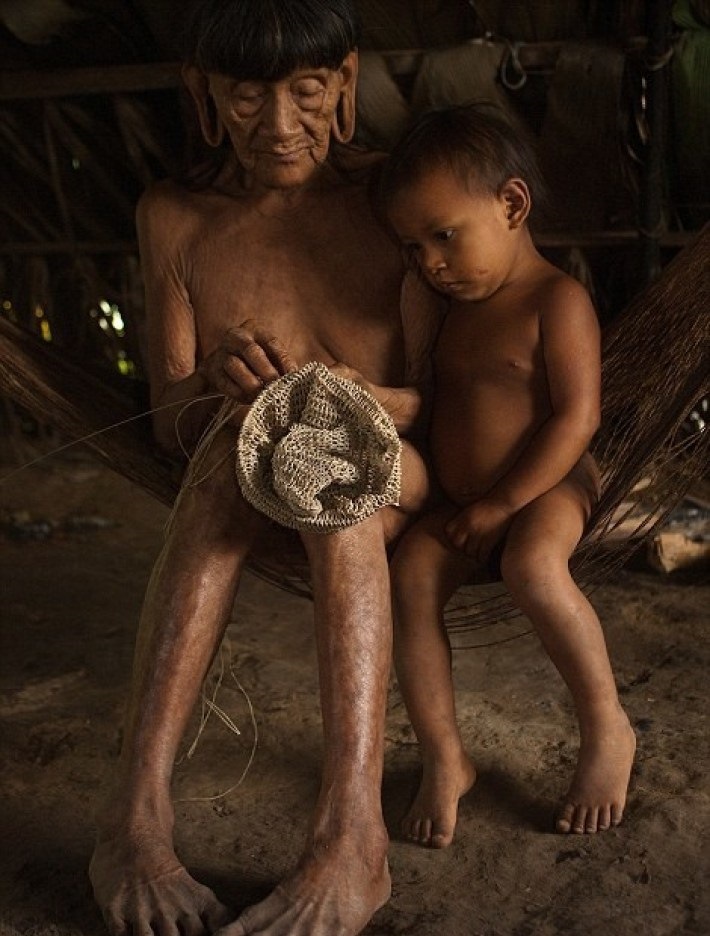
(248, 359)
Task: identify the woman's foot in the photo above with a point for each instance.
(431, 819)
(337, 887)
(141, 887)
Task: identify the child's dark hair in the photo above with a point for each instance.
(265, 40)
(477, 142)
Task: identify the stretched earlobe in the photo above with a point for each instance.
(197, 84)
(343, 124)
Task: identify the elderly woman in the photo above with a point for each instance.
(273, 261)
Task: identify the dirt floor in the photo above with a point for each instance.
(76, 547)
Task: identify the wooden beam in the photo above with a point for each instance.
(653, 210)
(114, 79)
(45, 248)
(537, 57)
(584, 239)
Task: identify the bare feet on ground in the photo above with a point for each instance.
(335, 891)
(141, 887)
(595, 800)
(431, 819)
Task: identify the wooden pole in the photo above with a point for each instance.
(652, 219)
(114, 79)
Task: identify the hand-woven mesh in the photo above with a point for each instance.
(317, 451)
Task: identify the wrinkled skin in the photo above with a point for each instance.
(279, 131)
(278, 263)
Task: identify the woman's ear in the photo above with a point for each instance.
(198, 85)
(515, 195)
(343, 125)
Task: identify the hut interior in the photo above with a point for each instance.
(92, 111)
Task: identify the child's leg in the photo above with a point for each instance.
(425, 573)
(535, 570)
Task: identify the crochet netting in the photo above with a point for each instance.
(316, 451)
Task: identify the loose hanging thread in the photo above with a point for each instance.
(209, 707)
(185, 405)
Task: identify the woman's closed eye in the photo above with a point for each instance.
(309, 94)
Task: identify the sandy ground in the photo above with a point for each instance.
(69, 607)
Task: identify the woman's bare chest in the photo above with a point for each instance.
(319, 291)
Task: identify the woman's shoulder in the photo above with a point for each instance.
(356, 162)
(176, 211)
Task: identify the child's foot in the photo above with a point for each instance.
(431, 819)
(596, 798)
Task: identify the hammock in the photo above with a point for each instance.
(655, 370)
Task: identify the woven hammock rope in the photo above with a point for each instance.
(655, 369)
(654, 372)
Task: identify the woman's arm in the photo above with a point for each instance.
(404, 405)
(245, 360)
(162, 229)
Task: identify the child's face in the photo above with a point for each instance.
(463, 242)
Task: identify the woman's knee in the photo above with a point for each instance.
(212, 509)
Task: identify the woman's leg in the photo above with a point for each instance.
(138, 880)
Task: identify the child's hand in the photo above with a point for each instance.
(477, 528)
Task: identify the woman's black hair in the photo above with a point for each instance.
(266, 40)
(477, 142)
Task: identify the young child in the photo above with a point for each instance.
(516, 403)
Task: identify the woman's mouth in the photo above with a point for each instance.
(285, 156)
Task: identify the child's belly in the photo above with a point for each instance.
(476, 439)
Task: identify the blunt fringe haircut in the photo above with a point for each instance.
(266, 40)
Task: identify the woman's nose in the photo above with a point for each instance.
(280, 116)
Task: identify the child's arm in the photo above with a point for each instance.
(571, 347)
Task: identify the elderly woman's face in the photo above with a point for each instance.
(280, 130)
